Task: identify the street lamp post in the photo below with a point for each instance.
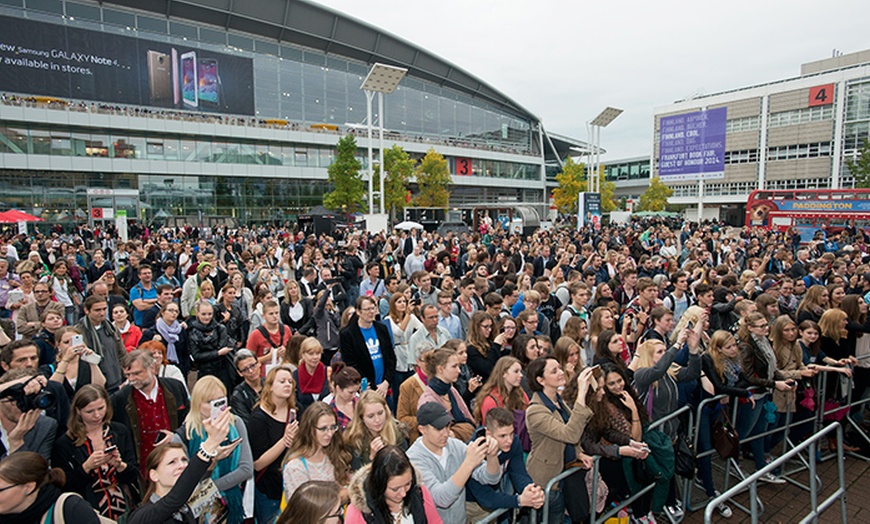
(381, 79)
(603, 119)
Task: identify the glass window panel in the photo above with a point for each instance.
(268, 48)
(241, 42)
(49, 6)
(183, 30)
(212, 36)
(110, 16)
(146, 23)
(87, 12)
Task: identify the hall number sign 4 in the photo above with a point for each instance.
(822, 95)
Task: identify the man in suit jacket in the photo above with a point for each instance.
(366, 346)
(799, 268)
(27, 323)
(148, 405)
(25, 431)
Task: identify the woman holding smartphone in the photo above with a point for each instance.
(318, 453)
(97, 455)
(273, 428)
(372, 428)
(234, 463)
(172, 477)
(77, 366)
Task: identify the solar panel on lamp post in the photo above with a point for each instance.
(381, 79)
(603, 119)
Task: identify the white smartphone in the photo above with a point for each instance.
(218, 406)
(92, 358)
(77, 340)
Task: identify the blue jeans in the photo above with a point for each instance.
(705, 468)
(266, 510)
(751, 421)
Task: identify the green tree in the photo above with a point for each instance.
(399, 168)
(655, 198)
(348, 193)
(860, 168)
(572, 181)
(433, 179)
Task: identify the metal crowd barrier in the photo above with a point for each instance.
(595, 477)
(751, 482)
(790, 453)
(493, 515)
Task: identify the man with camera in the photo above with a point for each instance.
(24, 355)
(23, 427)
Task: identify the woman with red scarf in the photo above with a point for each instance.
(310, 377)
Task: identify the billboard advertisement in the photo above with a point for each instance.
(692, 145)
(38, 58)
(589, 210)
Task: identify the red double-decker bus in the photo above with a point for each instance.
(809, 210)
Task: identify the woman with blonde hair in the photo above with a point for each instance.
(601, 319)
(373, 427)
(272, 429)
(296, 311)
(310, 377)
(234, 462)
(567, 352)
(814, 304)
(789, 362)
(834, 335)
(318, 452)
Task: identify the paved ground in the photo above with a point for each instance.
(788, 503)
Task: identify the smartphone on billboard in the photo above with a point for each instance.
(189, 80)
(176, 82)
(208, 83)
(160, 78)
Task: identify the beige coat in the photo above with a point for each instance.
(406, 409)
(29, 314)
(549, 436)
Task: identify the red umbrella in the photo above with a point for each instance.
(14, 216)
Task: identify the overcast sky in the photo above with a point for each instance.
(567, 60)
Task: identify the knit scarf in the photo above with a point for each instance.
(170, 334)
(442, 388)
(233, 495)
(95, 337)
(312, 383)
(764, 345)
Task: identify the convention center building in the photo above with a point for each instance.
(162, 108)
(781, 136)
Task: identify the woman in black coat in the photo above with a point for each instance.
(105, 477)
(297, 311)
(173, 334)
(211, 347)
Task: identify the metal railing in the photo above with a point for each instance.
(595, 478)
(751, 482)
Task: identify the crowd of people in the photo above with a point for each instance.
(268, 375)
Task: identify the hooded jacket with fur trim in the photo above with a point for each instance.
(361, 510)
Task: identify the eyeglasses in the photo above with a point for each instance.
(249, 368)
(486, 326)
(339, 516)
(761, 326)
(328, 429)
(173, 310)
(9, 487)
(40, 291)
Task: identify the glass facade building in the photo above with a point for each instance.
(61, 156)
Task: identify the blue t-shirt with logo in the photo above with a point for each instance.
(374, 346)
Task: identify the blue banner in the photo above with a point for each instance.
(692, 145)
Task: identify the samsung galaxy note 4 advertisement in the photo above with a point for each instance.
(53, 60)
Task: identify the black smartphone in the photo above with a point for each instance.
(159, 438)
(479, 432)
(110, 449)
(237, 439)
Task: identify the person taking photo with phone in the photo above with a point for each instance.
(77, 366)
(234, 464)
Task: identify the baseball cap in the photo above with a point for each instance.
(769, 283)
(433, 414)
